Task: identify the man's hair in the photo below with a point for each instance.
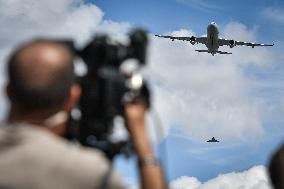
(30, 97)
(276, 168)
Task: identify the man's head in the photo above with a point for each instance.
(41, 78)
(276, 168)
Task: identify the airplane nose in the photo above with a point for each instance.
(212, 28)
(213, 23)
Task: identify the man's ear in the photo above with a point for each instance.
(74, 97)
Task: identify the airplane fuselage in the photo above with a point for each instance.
(212, 38)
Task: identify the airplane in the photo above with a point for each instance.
(212, 41)
(213, 140)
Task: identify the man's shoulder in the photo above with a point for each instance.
(52, 156)
(68, 152)
(41, 141)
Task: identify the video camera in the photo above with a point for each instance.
(105, 88)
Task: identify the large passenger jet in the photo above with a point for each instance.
(212, 41)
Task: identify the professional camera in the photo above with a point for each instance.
(105, 88)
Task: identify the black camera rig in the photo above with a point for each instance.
(105, 88)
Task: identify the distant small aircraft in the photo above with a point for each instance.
(212, 140)
(212, 41)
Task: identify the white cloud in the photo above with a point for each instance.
(21, 20)
(238, 31)
(254, 178)
(113, 28)
(182, 32)
(185, 182)
(205, 95)
(274, 14)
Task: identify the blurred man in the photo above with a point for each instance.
(33, 154)
(276, 168)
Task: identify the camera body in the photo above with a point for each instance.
(105, 88)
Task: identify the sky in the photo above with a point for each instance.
(238, 98)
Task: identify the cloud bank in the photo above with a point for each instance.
(22, 20)
(208, 96)
(254, 178)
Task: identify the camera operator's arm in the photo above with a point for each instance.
(151, 174)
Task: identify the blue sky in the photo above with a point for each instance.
(239, 99)
(168, 15)
(190, 156)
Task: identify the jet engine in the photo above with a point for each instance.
(192, 40)
(232, 43)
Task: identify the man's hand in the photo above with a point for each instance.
(151, 174)
(135, 116)
(135, 113)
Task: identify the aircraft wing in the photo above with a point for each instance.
(191, 39)
(212, 141)
(233, 43)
